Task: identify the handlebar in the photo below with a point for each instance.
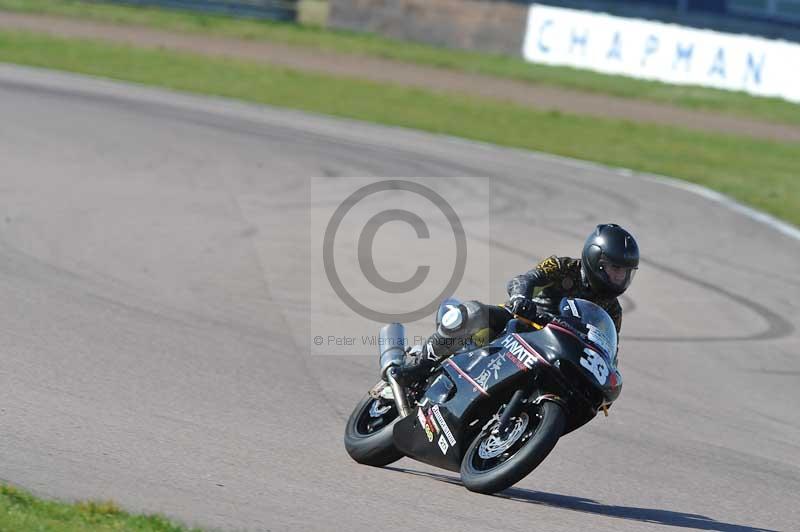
(528, 322)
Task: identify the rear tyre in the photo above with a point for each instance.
(368, 434)
(493, 463)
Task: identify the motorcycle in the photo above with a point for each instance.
(491, 412)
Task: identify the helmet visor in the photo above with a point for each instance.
(618, 276)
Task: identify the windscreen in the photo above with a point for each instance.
(600, 327)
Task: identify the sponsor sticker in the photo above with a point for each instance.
(432, 422)
(492, 370)
(483, 379)
(600, 339)
(496, 364)
(443, 444)
(443, 424)
(423, 422)
(518, 354)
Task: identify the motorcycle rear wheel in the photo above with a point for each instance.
(368, 437)
(492, 463)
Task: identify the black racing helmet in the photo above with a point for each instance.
(610, 259)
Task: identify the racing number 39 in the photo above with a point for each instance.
(594, 363)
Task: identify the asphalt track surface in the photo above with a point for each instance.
(153, 260)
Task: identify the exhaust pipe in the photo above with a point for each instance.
(391, 345)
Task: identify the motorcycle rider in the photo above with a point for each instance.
(608, 263)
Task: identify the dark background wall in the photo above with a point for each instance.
(488, 26)
(499, 26)
(720, 15)
(282, 10)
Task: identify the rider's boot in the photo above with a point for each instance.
(422, 358)
(415, 366)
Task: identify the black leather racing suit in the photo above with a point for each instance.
(558, 277)
(548, 282)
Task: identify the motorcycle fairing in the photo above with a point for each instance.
(560, 345)
(471, 378)
(495, 372)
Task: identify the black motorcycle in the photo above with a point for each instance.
(492, 412)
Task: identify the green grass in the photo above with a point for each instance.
(741, 104)
(760, 173)
(22, 512)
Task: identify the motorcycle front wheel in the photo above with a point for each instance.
(368, 434)
(494, 462)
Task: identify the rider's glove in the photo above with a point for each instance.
(522, 306)
(543, 318)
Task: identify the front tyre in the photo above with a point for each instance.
(493, 463)
(368, 435)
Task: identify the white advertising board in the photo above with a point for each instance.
(663, 52)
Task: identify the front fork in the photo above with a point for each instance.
(529, 394)
(398, 392)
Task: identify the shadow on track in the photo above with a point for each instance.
(580, 504)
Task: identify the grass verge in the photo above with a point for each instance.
(741, 104)
(760, 173)
(22, 512)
